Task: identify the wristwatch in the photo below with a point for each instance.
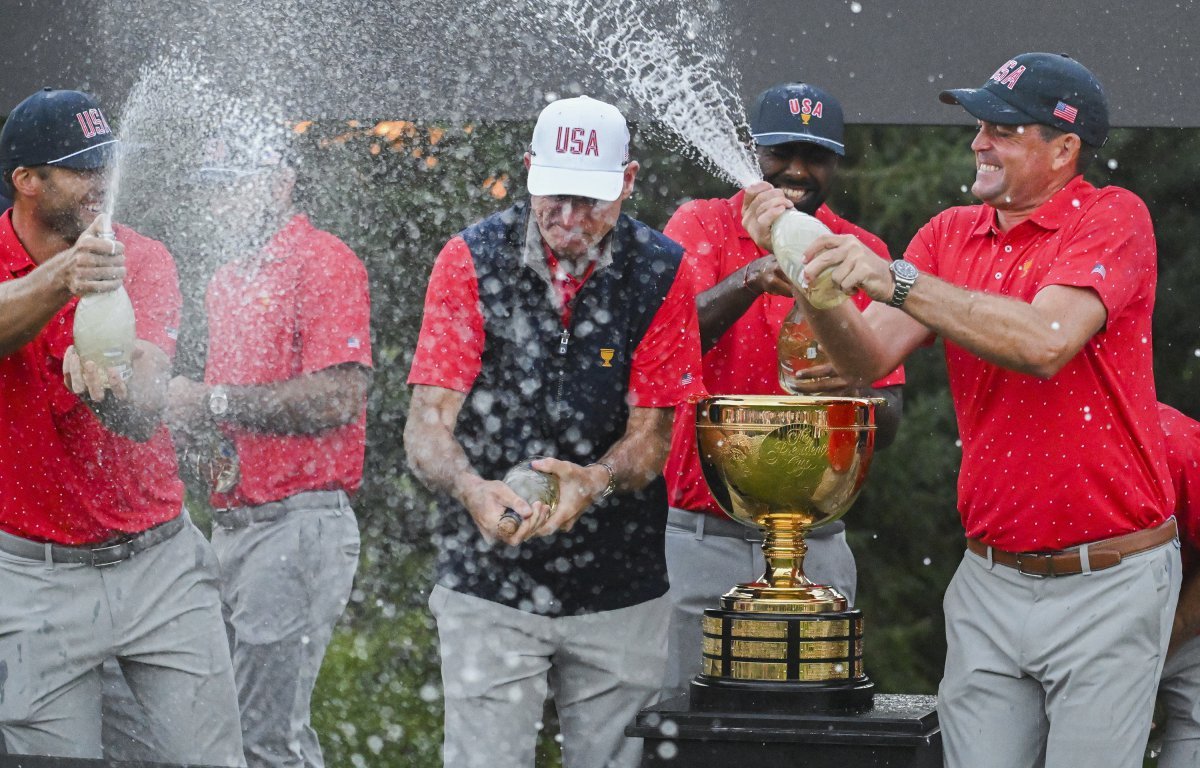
(904, 274)
(217, 401)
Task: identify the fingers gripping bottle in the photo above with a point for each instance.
(105, 329)
(791, 234)
(531, 485)
(798, 350)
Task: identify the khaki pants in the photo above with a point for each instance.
(1180, 694)
(158, 613)
(1057, 672)
(498, 663)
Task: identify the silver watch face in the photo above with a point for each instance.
(904, 270)
(218, 402)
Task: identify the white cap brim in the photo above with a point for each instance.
(599, 185)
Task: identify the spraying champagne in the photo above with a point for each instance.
(105, 329)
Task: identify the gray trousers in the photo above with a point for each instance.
(284, 584)
(1179, 692)
(1057, 672)
(498, 664)
(157, 613)
(706, 556)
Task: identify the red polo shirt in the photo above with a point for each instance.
(1079, 457)
(450, 346)
(745, 360)
(1183, 458)
(65, 477)
(299, 306)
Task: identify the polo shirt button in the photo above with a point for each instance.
(1008, 249)
(998, 275)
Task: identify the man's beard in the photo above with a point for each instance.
(811, 202)
(68, 222)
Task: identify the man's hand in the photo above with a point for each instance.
(763, 275)
(855, 266)
(89, 381)
(94, 264)
(761, 206)
(820, 380)
(185, 404)
(578, 488)
(487, 500)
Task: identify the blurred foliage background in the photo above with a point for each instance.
(395, 191)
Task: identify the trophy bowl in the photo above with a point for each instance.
(785, 464)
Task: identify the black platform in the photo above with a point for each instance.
(899, 732)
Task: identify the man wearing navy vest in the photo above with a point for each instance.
(559, 328)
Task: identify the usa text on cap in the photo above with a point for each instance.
(580, 147)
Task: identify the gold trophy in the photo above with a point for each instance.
(785, 465)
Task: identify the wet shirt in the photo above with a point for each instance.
(64, 476)
(745, 360)
(300, 306)
(450, 346)
(1049, 464)
(1182, 437)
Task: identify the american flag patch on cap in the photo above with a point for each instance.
(1064, 111)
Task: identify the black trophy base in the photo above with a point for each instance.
(899, 732)
(714, 694)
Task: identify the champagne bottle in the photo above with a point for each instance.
(799, 350)
(791, 234)
(531, 485)
(105, 328)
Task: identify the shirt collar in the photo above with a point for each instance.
(14, 256)
(1051, 214)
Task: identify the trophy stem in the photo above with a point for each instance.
(783, 587)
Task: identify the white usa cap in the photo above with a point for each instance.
(580, 147)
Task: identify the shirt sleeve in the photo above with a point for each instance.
(1182, 437)
(665, 370)
(334, 311)
(449, 350)
(1111, 251)
(702, 247)
(153, 288)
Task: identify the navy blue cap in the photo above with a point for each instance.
(798, 112)
(64, 128)
(1040, 88)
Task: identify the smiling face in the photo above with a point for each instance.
(1017, 168)
(67, 200)
(803, 170)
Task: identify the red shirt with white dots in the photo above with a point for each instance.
(1079, 457)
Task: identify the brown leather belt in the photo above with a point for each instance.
(1095, 556)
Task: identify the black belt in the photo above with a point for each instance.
(240, 517)
(105, 553)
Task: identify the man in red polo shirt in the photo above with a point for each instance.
(1058, 618)
(562, 328)
(742, 300)
(1179, 690)
(97, 559)
(285, 383)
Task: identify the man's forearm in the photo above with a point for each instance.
(304, 405)
(26, 305)
(639, 455)
(720, 307)
(438, 460)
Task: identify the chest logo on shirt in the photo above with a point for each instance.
(1025, 267)
(1100, 270)
(606, 357)
(263, 301)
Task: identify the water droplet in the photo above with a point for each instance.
(1112, 164)
(927, 561)
(855, 7)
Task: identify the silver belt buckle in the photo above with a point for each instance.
(1023, 556)
(125, 548)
